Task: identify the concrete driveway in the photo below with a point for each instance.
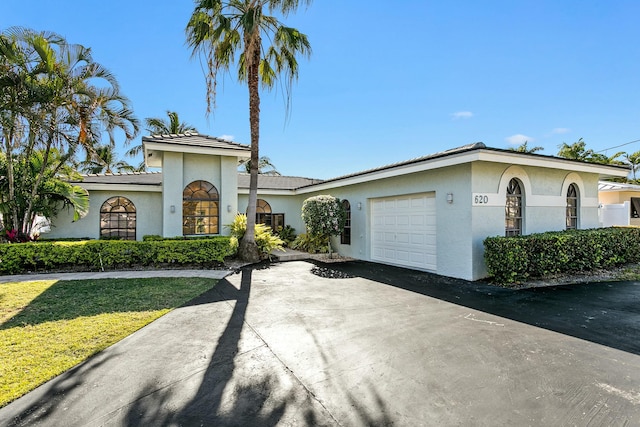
(360, 344)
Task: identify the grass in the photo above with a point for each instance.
(47, 327)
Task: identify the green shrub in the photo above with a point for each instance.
(287, 234)
(265, 239)
(311, 243)
(515, 259)
(98, 254)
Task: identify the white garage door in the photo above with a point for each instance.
(403, 230)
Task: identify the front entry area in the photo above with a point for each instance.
(403, 231)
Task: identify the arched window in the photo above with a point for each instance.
(345, 237)
(200, 212)
(262, 206)
(513, 209)
(572, 207)
(263, 212)
(118, 219)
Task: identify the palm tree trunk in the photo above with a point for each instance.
(248, 249)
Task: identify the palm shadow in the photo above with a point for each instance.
(221, 399)
(606, 313)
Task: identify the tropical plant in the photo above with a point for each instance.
(219, 30)
(52, 192)
(633, 160)
(579, 151)
(312, 244)
(172, 126)
(54, 101)
(287, 234)
(265, 167)
(524, 148)
(264, 237)
(160, 126)
(575, 151)
(105, 160)
(324, 215)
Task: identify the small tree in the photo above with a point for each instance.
(324, 216)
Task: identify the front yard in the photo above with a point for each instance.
(47, 327)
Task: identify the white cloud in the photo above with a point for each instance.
(560, 131)
(226, 137)
(462, 115)
(518, 139)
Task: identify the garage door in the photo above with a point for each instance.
(403, 230)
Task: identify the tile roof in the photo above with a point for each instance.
(135, 178)
(194, 139)
(276, 182)
(270, 182)
(464, 148)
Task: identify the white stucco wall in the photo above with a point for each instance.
(544, 202)
(452, 220)
(89, 226)
(173, 186)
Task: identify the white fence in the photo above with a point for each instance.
(610, 215)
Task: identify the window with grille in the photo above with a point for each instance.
(200, 213)
(118, 219)
(345, 237)
(572, 207)
(513, 209)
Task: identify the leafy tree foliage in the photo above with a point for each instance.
(324, 216)
(55, 102)
(578, 151)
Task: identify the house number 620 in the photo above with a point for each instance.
(480, 199)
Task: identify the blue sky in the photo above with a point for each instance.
(386, 81)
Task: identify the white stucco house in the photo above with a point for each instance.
(430, 213)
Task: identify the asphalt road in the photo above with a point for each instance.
(360, 344)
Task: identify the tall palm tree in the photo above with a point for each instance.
(220, 29)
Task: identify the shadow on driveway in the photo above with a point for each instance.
(606, 313)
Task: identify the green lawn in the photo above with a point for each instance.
(47, 327)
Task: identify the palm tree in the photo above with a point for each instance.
(575, 151)
(54, 99)
(265, 167)
(633, 160)
(53, 193)
(218, 30)
(105, 160)
(523, 148)
(160, 126)
(173, 126)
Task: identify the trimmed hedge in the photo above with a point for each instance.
(108, 254)
(515, 259)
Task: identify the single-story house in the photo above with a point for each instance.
(429, 213)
